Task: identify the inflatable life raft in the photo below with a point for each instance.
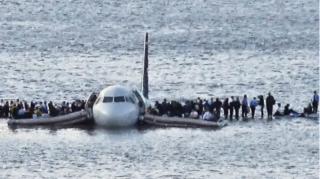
(181, 122)
(69, 119)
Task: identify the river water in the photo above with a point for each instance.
(63, 50)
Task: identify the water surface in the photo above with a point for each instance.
(64, 50)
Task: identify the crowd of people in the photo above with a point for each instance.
(196, 109)
(211, 109)
(22, 109)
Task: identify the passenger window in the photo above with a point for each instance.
(119, 99)
(107, 99)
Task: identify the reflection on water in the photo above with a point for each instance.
(284, 148)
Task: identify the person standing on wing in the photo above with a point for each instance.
(315, 102)
(237, 106)
(231, 107)
(253, 105)
(261, 104)
(218, 105)
(225, 107)
(244, 106)
(270, 102)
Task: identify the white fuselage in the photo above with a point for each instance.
(116, 106)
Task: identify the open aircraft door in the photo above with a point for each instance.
(142, 107)
(89, 104)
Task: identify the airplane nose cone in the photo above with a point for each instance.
(115, 116)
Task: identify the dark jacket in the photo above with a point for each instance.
(225, 104)
(236, 105)
(270, 101)
(261, 101)
(286, 111)
(231, 104)
(218, 104)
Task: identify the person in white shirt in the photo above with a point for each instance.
(278, 111)
(21, 111)
(208, 116)
(194, 114)
(17, 102)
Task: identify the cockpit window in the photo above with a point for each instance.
(127, 98)
(119, 99)
(131, 100)
(97, 101)
(107, 99)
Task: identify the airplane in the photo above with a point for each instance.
(118, 106)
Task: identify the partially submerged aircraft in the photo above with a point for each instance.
(118, 106)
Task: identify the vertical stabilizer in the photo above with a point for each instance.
(145, 83)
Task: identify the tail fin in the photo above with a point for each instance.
(145, 83)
